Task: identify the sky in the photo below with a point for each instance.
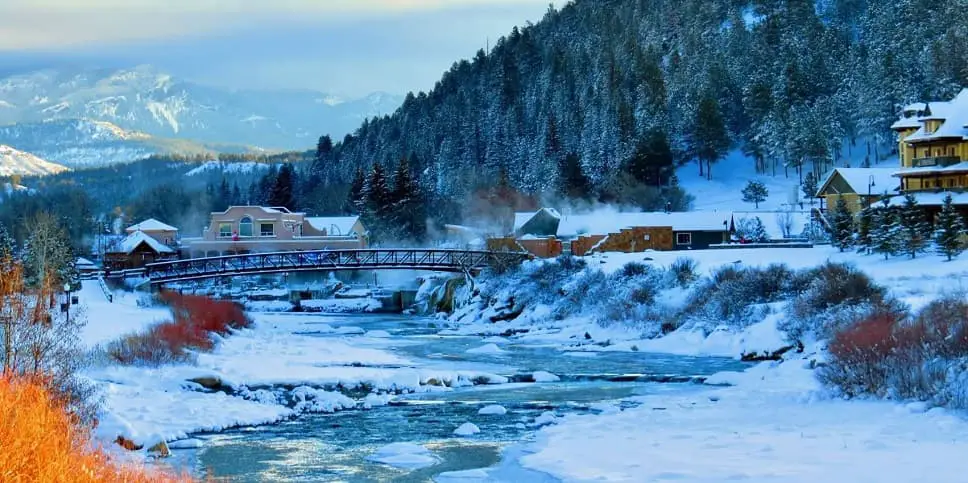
(344, 47)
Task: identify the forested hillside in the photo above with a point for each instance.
(617, 83)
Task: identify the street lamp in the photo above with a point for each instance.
(67, 300)
(870, 184)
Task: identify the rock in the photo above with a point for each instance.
(542, 376)
(128, 444)
(467, 429)
(212, 383)
(770, 356)
(493, 410)
(161, 450)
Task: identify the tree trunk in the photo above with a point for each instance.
(701, 174)
(709, 170)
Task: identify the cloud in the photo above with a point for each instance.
(66, 24)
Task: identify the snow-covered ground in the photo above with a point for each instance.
(281, 359)
(775, 425)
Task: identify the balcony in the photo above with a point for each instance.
(936, 161)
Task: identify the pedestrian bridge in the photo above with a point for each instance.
(456, 261)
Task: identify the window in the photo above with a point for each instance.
(684, 239)
(224, 230)
(245, 226)
(267, 229)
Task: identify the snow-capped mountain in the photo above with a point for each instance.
(146, 100)
(14, 162)
(82, 143)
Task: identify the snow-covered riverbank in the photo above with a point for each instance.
(774, 422)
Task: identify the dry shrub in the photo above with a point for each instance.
(195, 321)
(888, 356)
(40, 441)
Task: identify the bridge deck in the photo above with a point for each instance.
(458, 261)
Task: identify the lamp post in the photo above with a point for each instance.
(67, 300)
(870, 184)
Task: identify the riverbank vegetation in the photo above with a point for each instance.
(195, 325)
(875, 345)
(41, 440)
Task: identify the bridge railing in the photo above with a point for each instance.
(277, 262)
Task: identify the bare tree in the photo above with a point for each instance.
(784, 220)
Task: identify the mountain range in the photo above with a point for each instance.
(147, 100)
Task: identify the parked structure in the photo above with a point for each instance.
(164, 233)
(137, 250)
(256, 229)
(547, 233)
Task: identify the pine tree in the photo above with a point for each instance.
(653, 162)
(408, 217)
(865, 221)
(755, 192)
(809, 186)
(377, 204)
(282, 194)
(709, 141)
(843, 226)
(572, 182)
(949, 230)
(6, 243)
(885, 237)
(752, 229)
(223, 197)
(236, 197)
(915, 231)
(356, 202)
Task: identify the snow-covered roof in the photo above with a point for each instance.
(605, 222)
(150, 225)
(84, 264)
(858, 179)
(335, 226)
(954, 168)
(953, 113)
(907, 123)
(932, 198)
(132, 241)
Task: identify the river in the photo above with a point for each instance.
(335, 447)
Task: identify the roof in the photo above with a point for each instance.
(954, 168)
(83, 263)
(858, 179)
(603, 222)
(953, 113)
(150, 225)
(265, 209)
(134, 240)
(932, 198)
(336, 226)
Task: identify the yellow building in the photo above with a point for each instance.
(933, 145)
(859, 187)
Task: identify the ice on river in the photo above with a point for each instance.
(405, 455)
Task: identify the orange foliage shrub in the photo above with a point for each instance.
(40, 442)
(196, 320)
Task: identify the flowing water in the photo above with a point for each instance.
(334, 447)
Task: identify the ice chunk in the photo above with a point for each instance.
(493, 410)
(404, 455)
(542, 376)
(467, 429)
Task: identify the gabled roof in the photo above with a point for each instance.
(858, 178)
(134, 240)
(335, 225)
(953, 113)
(150, 224)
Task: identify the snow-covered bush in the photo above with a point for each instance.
(831, 297)
(685, 271)
(752, 229)
(735, 296)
